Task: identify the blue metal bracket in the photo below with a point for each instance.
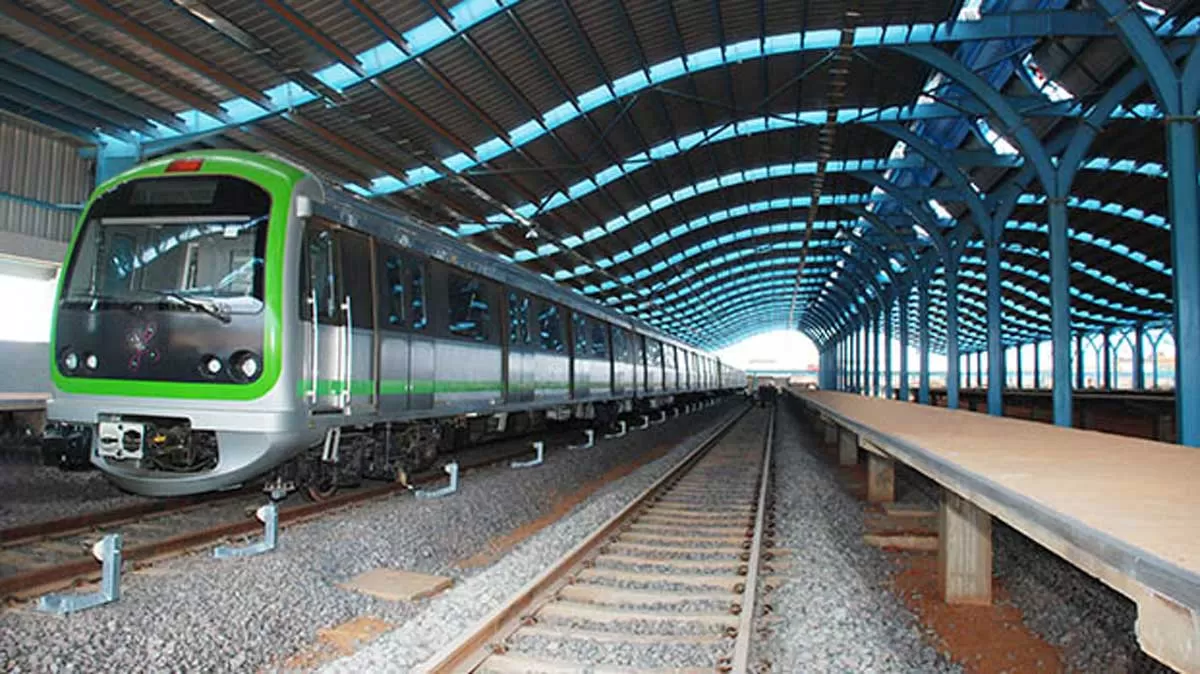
(269, 516)
(451, 470)
(591, 440)
(108, 552)
(540, 448)
(624, 430)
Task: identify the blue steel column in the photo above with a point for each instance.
(995, 385)
(1060, 310)
(866, 375)
(979, 369)
(923, 345)
(905, 389)
(1017, 364)
(1139, 357)
(1185, 261)
(1037, 365)
(952, 381)
(1079, 373)
(875, 369)
(967, 368)
(1108, 375)
(889, 389)
(854, 360)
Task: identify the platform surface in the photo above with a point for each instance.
(23, 401)
(1137, 500)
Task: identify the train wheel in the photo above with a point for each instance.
(322, 482)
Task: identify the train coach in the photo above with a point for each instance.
(226, 316)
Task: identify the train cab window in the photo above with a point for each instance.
(322, 287)
(599, 339)
(581, 334)
(550, 328)
(419, 317)
(518, 319)
(395, 288)
(468, 307)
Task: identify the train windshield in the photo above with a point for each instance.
(184, 242)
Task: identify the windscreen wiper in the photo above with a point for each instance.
(210, 309)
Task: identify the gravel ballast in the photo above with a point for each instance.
(32, 493)
(453, 613)
(197, 613)
(833, 611)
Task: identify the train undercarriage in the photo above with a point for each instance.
(394, 451)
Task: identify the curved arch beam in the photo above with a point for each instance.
(999, 26)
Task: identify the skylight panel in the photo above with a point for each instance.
(1051, 89)
(971, 11)
(999, 143)
(940, 210)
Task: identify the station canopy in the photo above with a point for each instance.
(716, 168)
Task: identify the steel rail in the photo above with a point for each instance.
(40, 579)
(471, 649)
(741, 649)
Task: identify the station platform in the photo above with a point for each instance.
(1121, 509)
(23, 402)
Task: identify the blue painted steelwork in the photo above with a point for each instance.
(903, 305)
(1139, 357)
(8, 196)
(924, 340)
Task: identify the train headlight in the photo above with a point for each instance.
(70, 360)
(211, 365)
(91, 362)
(246, 365)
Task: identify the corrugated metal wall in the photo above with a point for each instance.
(38, 170)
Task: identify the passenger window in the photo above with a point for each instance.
(550, 328)
(394, 271)
(620, 342)
(581, 334)
(417, 297)
(518, 319)
(468, 307)
(599, 339)
(320, 279)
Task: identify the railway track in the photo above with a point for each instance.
(51, 555)
(668, 584)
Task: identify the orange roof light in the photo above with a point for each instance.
(185, 165)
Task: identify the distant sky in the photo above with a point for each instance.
(777, 350)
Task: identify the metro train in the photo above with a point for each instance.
(227, 316)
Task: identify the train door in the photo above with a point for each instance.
(401, 314)
(420, 341)
(323, 317)
(522, 357)
(358, 305)
(581, 357)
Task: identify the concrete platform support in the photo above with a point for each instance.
(1169, 631)
(881, 479)
(831, 433)
(964, 551)
(847, 448)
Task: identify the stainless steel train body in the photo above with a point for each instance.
(223, 315)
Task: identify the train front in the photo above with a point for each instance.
(168, 326)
